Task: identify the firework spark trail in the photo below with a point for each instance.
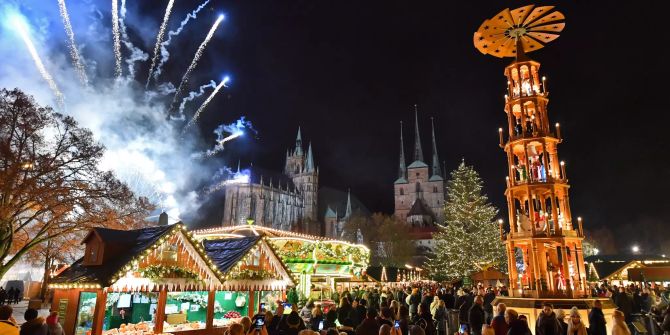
(204, 104)
(22, 29)
(219, 146)
(192, 95)
(159, 39)
(194, 62)
(165, 55)
(74, 53)
(117, 38)
(136, 54)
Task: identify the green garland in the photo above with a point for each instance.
(328, 254)
(253, 275)
(168, 271)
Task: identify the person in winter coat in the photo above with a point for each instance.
(424, 320)
(433, 305)
(619, 326)
(625, 304)
(7, 323)
(343, 312)
(560, 316)
(575, 325)
(440, 317)
(499, 325)
(597, 323)
(476, 316)
(317, 317)
(488, 308)
(52, 324)
(403, 318)
(306, 312)
(517, 326)
(292, 324)
(414, 301)
(34, 325)
(547, 323)
(463, 304)
(369, 326)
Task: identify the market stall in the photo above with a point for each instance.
(126, 280)
(160, 280)
(317, 263)
(255, 277)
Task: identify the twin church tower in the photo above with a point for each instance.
(419, 190)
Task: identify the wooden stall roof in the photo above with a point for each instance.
(652, 273)
(226, 253)
(129, 243)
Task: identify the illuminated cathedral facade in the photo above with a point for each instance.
(286, 200)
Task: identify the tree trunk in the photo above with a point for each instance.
(47, 269)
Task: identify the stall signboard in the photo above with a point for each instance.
(62, 310)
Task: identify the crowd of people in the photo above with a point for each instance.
(419, 310)
(13, 296)
(424, 310)
(34, 325)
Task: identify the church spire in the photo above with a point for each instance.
(298, 143)
(347, 214)
(436, 161)
(309, 165)
(402, 171)
(418, 153)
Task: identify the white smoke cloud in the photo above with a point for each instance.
(144, 147)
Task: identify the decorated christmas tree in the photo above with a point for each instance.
(469, 238)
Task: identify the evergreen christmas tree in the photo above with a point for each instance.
(469, 237)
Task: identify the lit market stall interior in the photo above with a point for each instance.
(320, 265)
(160, 279)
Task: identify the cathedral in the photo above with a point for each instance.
(286, 200)
(420, 191)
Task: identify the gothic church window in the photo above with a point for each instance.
(402, 191)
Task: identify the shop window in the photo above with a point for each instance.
(85, 312)
(230, 305)
(125, 309)
(186, 311)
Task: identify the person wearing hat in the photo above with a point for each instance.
(575, 325)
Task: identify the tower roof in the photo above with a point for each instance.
(437, 172)
(330, 213)
(298, 143)
(418, 152)
(402, 169)
(309, 165)
(348, 211)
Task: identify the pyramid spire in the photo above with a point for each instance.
(436, 160)
(418, 152)
(402, 170)
(309, 165)
(347, 214)
(298, 143)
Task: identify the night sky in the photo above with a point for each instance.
(348, 72)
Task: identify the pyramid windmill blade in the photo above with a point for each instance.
(519, 15)
(537, 13)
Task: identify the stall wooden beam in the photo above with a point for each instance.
(160, 310)
(210, 309)
(99, 312)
